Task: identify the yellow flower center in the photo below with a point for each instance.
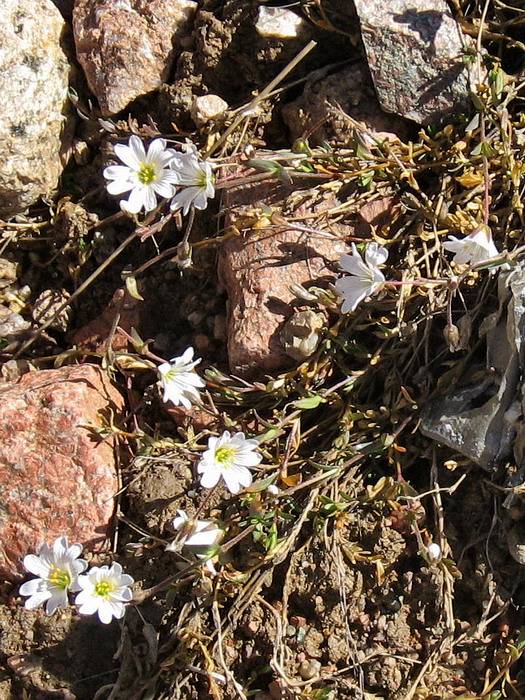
(203, 179)
(147, 174)
(59, 577)
(171, 374)
(104, 588)
(225, 455)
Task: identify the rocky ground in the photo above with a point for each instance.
(383, 432)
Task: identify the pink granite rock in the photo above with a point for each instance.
(57, 475)
(127, 47)
(257, 270)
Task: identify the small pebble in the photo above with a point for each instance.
(309, 669)
(381, 623)
(219, 327)
(207, 107)
(480, 664)
(196, 318)
(298, 621)
(46, 306)
(202, 342)
(81, 152)
(278, 23)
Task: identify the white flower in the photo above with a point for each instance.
(196, 533)
(58, 570)
(104, 591)
(228, 456)
(477, 247)
(179, 380)
(194, 177)
(145, 174)
(364, 277)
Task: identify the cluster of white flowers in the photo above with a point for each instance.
(103, 590)
(365, 278)
(160, 172)
(227, 456)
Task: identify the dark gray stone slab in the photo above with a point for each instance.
(415, 52)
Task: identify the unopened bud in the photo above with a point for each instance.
(183, 258)
(433, 553)
(302, 293)
(452, 337)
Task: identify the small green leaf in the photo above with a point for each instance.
(310, 402)
(269, 435)
(473, 124)
(266, 166)
(262, 485)
(482, 148)
(478, 104)
(497, 83)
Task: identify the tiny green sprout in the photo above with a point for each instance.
(330, 507)
(483, 148)
(497, 84)
(451, 567)
(266, 166)
(469, 55)
(365, 180)
(302, 146)
(309, 402)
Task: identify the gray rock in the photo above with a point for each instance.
(34, 75)
(480, 420)
(127, 47)
(516, 542)
(415, 50)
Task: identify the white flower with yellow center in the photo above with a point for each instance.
(364, 277)
(179, 380)
(229, 456)
(105, 590)
(58, 571)
(195, 180)
(477, 247)
(144, 175)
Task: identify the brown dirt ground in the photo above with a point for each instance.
(349, 609)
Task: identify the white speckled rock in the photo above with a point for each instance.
(34, 74)
(127, 47)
